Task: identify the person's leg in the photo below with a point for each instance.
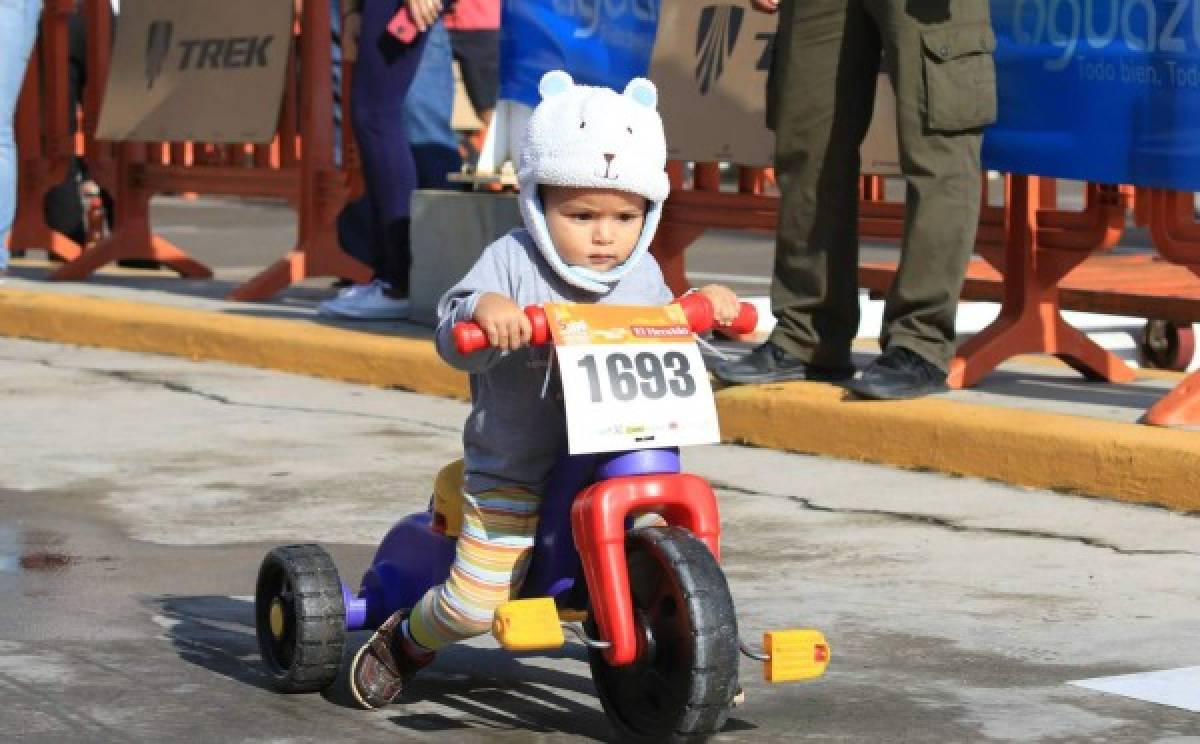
(383, 73)
(939, 56)
(62, 207)
(427, 113)
(827, 69)
(18, 29)
(821, 92)
(489, 565)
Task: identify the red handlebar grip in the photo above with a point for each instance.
(541, 326)
(699, 313)
(746, 320)
(469, 337)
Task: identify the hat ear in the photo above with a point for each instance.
(554, 83)
(643, 91)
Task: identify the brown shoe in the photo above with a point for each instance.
(383, 666)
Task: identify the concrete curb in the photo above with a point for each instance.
(1044, 450)
(1127, 462)
(285, 345)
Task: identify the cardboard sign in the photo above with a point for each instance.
(710, 63)
(209, 71)
(632, 378)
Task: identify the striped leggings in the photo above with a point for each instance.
(490, 563)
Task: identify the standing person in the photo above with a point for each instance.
(391, 38)
(938, 55)
(427, 112)
(18, 29)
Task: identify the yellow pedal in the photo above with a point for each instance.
(794, 655)
(528, 625)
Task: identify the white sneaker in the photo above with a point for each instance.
(329, 307)
(366, 302)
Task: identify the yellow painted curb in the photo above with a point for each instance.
(285, 345)
(1044, 450)
(1129, 462)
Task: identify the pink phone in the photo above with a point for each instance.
(401, 26)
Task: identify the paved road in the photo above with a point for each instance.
(140, 493)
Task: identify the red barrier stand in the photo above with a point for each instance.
(299, 167)
(1036, 258)
(1177, 237)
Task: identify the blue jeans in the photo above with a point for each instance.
(18, 29)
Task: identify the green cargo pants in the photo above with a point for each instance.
(938, 55)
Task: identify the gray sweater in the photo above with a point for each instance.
(514, 435)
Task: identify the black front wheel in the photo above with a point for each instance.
(681, 686)
(300, 617)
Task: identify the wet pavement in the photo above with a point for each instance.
(138, 495)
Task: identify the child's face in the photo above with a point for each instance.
(593, 228)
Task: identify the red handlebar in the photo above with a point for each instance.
(469, 337)
(699, 312)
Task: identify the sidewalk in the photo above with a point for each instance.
(1034, 422)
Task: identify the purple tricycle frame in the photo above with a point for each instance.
(413, 557)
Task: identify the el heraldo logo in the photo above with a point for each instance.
(158, 43)
(716, 36)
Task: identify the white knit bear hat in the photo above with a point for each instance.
(587, 137)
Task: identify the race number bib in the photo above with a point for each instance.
(632, 378)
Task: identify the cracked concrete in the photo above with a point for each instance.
(142, 492)
(927, 519)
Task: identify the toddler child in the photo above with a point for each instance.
(593, 182)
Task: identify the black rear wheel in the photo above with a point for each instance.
(681, 686)
(1165, 344)
(300, 617)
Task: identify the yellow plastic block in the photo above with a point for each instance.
(795, 655)
(528, 625)
(448, 499)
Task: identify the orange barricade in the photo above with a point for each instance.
(1029, 242)
(1041, 247)
(298, 167)
(1176, 235)
(42, 127)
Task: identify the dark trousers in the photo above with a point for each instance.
(383, 73)
(938, 55)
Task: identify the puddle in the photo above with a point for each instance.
(27, 551)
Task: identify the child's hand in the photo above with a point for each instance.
(724, 302)
(504, 323)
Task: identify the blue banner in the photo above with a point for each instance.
(1098, 90)
(599, 42)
